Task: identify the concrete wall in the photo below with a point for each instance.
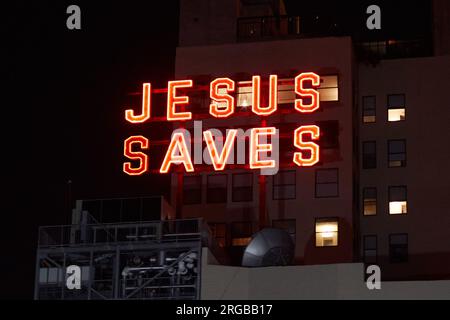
(320, 55)
(333, 281)
(425, 83)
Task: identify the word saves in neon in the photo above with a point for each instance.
(222, 106)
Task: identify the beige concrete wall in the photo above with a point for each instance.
(425, 83)
(333, 281)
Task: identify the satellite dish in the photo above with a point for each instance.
(269, 247)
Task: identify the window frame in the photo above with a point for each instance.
(208, 201)
(293, 235)
(389, 200)
(199, 176)
(364, 248)
(233, 187)
(407, 248)
(389, 153)
(376, 201)
(232, 231)
(388, 107)
(337, 183)
(325, 219)
(284, 185)
(363, 109)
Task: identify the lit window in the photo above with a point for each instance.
(327, 183)
(192, 189)
(284, 185)
(397, 200)
(289, 225)
(244, 94)
(369, 159)
(216, 191)
(397, 153)
(242, 187)
(398, 247)
(241, 233)
(370, 249)
(328, 89)
(369, 109)
(370, 201)
(219, 232)
(396, 107)
(326, 232)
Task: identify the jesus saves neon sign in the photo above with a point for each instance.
(222, 106)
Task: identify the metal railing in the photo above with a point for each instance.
(93, 234)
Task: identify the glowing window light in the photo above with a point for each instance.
(396, 114)
(326, 233)
(397, 207)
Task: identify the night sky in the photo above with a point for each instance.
(66, 91)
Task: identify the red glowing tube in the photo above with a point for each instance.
(299, 142)
(177, 143)
(307, 93)
(214, 109)
(219, 161)
(133, 155)
(146, 107)
(256, 96)
(256, 148)
(173, 100)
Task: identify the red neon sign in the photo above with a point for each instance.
(223, 105)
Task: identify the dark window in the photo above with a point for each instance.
(284, 185)
(398, 200)
(396, 107)
(241, 233)
(369, 160)
(242, 187)
(216, 191)
(327, 183)
(219, 232)
(398, 247)
(329, 138)
(370, 249)
(369, 201)
(396, 153)
(369, 109)
(192, 189)
(289, 225)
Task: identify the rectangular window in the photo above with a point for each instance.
(289, 225)
(242, 187)
(326, 232)
(396, 153)
(219, 232)
(327, 183)
(370, 249)
(329, 89)
(396, 107)
(398, 247)
(370, 201)
(192, 189)
(397, 200)
(241, 233)
(369, 109)
(369, 158)
(216, 191)
(244, 94)
(284, 185)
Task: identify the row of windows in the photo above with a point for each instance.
(397, 199)
(396, 154)
(283, 186)
(396, 110)
(326, 231)
(398, 248)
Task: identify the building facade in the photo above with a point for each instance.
(376, 195)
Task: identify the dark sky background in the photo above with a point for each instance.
(66, 91)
